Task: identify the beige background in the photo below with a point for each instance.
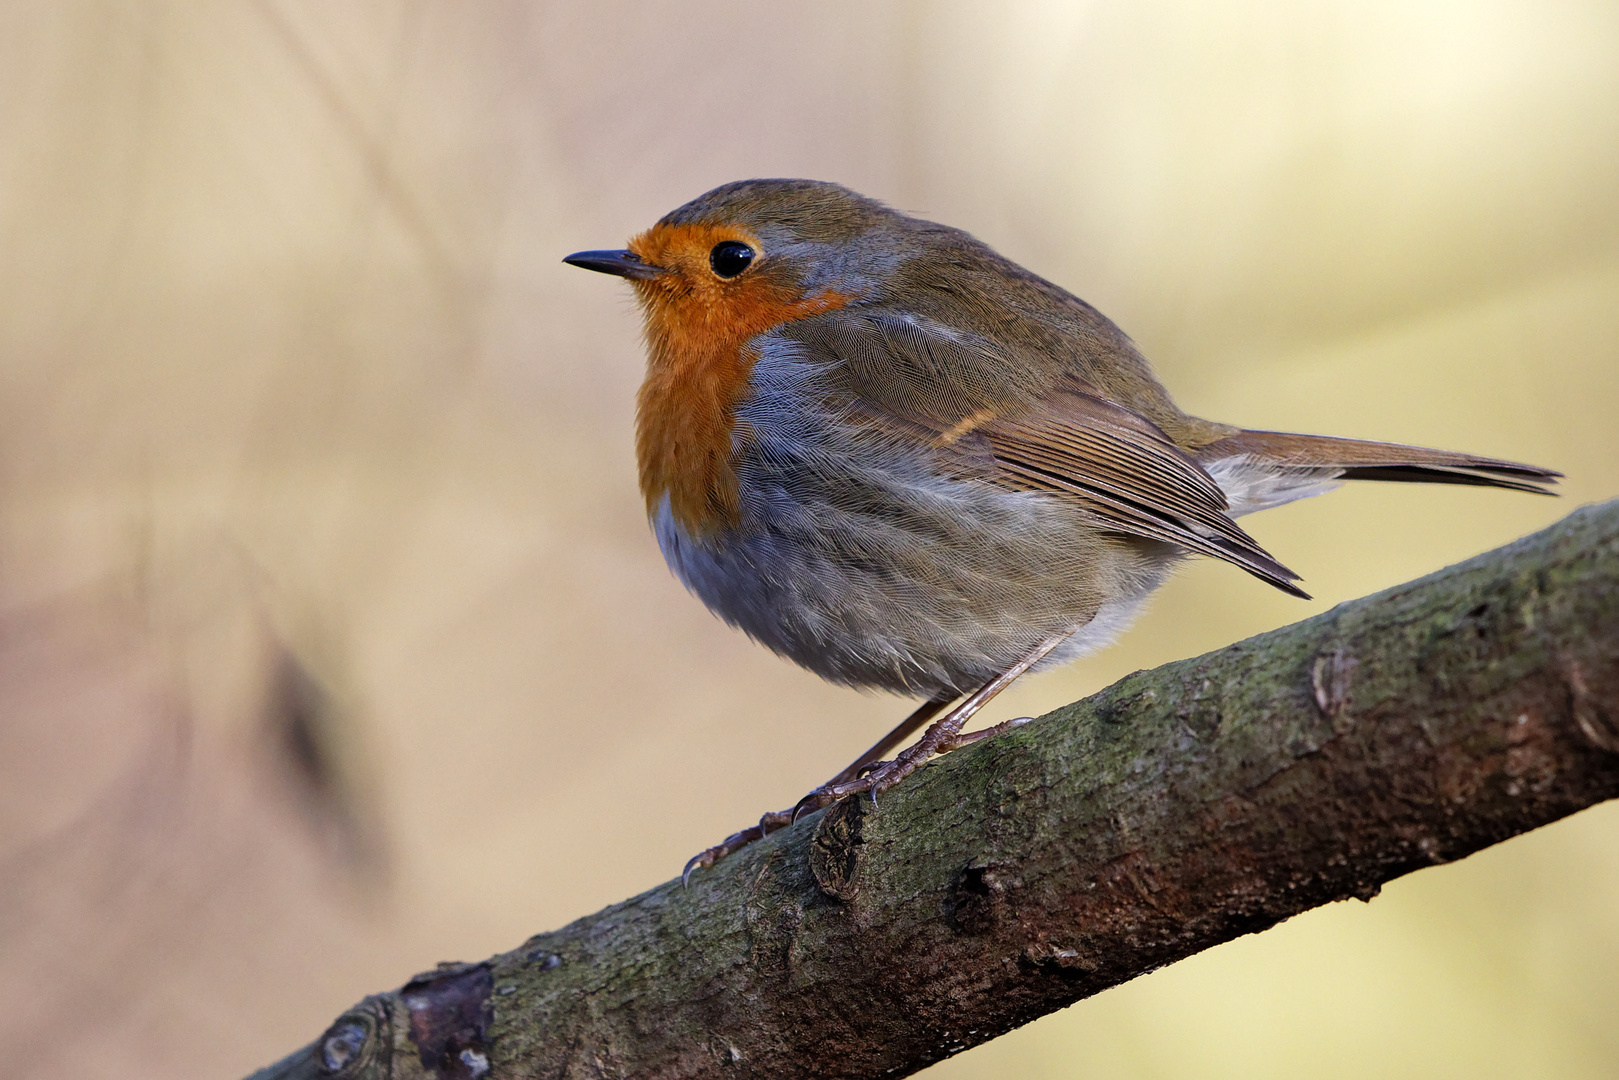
(291, 378)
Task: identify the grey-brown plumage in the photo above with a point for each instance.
(961, 459)
(940, 466)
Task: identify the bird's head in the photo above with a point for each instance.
(753, 254)
(711, 278)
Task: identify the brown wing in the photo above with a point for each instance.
(1125, 470)
(1004, 425)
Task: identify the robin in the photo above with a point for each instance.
(899, 459)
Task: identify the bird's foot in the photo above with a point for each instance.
(884, 775)
(876, 777)
(769, 823)
(988, 733)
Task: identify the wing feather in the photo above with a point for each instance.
(1055, 434)
(1128, 473)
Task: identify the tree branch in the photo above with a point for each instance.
(1177, 809)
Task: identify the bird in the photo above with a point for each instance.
(903, 461)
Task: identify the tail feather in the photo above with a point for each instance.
(1428, 474)
(1260, 469)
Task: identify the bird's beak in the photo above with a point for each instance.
(625, 264)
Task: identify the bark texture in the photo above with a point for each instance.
(1177, 809)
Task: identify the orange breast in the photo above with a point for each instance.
(699, 360)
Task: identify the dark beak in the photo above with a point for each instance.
(623, 263)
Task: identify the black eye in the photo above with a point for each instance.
(729, 258)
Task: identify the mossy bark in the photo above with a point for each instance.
(1177, 809)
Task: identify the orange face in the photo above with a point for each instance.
(699, 329)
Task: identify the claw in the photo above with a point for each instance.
(702, 858)
(808, 804)
(720, 850)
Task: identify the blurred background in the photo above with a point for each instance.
(333, 642)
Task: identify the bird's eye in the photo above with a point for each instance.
(729, 258)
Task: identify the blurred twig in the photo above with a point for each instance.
(1175, 810)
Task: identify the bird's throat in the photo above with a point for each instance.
(701, 348)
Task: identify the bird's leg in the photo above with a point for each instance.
(777, 819)
(945, 734)
(924, 712)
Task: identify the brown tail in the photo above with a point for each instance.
(1357, 459)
